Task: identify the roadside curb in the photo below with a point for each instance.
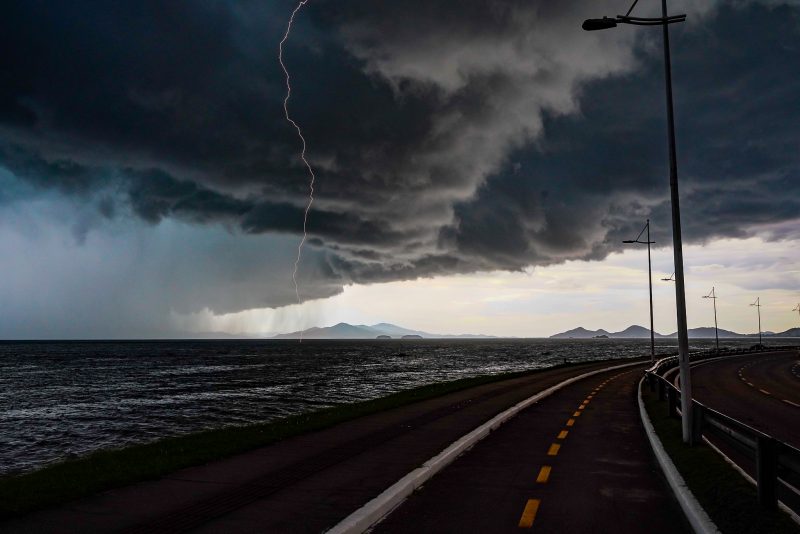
(374, 510)
(694, 512)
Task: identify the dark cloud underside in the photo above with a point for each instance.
(494, 135)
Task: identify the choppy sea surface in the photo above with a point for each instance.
(65, 399)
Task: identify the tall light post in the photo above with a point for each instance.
(680, 293)
(713, 296)
(797, 309)
(650, 283)
(757, 304)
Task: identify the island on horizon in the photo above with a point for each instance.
(640, 332)
(381, 331)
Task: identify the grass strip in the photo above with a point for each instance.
(111, 468)
(730, 501)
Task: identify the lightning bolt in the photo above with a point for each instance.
(302, 152)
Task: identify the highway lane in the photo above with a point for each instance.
(760, 390)
(302, 484)
(578, 461)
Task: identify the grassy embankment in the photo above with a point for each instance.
(727, 497)
(112, 468)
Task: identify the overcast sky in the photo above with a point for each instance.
(478, 165)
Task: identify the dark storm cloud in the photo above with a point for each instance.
(491, 135)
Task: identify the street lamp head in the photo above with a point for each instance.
(605, 23)
(629, 241)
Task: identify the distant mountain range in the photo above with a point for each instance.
(362, 331)
(636, 331)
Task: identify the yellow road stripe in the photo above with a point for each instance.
(529, 513)
(544, 474)
(570, 422)
(576, 414)
(582, 406)
(553, 450)
(563, 434)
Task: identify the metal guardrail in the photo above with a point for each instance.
(776, 461)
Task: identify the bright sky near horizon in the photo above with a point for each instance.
(611, 294)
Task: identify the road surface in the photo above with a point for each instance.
(761, 390)
(578, 461)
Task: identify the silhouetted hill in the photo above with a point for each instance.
(579, 333)
(339, 331)
(636, 332)
(632, 332)
(362, 331)
(707, 332)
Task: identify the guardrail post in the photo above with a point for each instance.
(697, 424)
(651, 381)
(672, 403)
(767, 471)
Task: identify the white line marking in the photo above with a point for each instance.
(373, 511)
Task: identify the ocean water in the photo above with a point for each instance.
(66, 399)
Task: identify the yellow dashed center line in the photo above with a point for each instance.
(529, 513)
(544, 474)
(532, 506)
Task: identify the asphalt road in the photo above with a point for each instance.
(578, 461)
(303, 484)
(762, 391)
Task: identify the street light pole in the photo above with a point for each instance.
(650, 283)
(713, 296)
(797, 309)
(757, 304)
(680, 292)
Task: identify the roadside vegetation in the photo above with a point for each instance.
(727, 497)
(106, 469)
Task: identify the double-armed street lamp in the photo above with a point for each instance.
(680, 295)
(649, 281)
(797, 309)
(757, 304)
(713, 295)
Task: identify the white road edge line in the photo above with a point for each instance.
(373, 511)
(698, 518)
